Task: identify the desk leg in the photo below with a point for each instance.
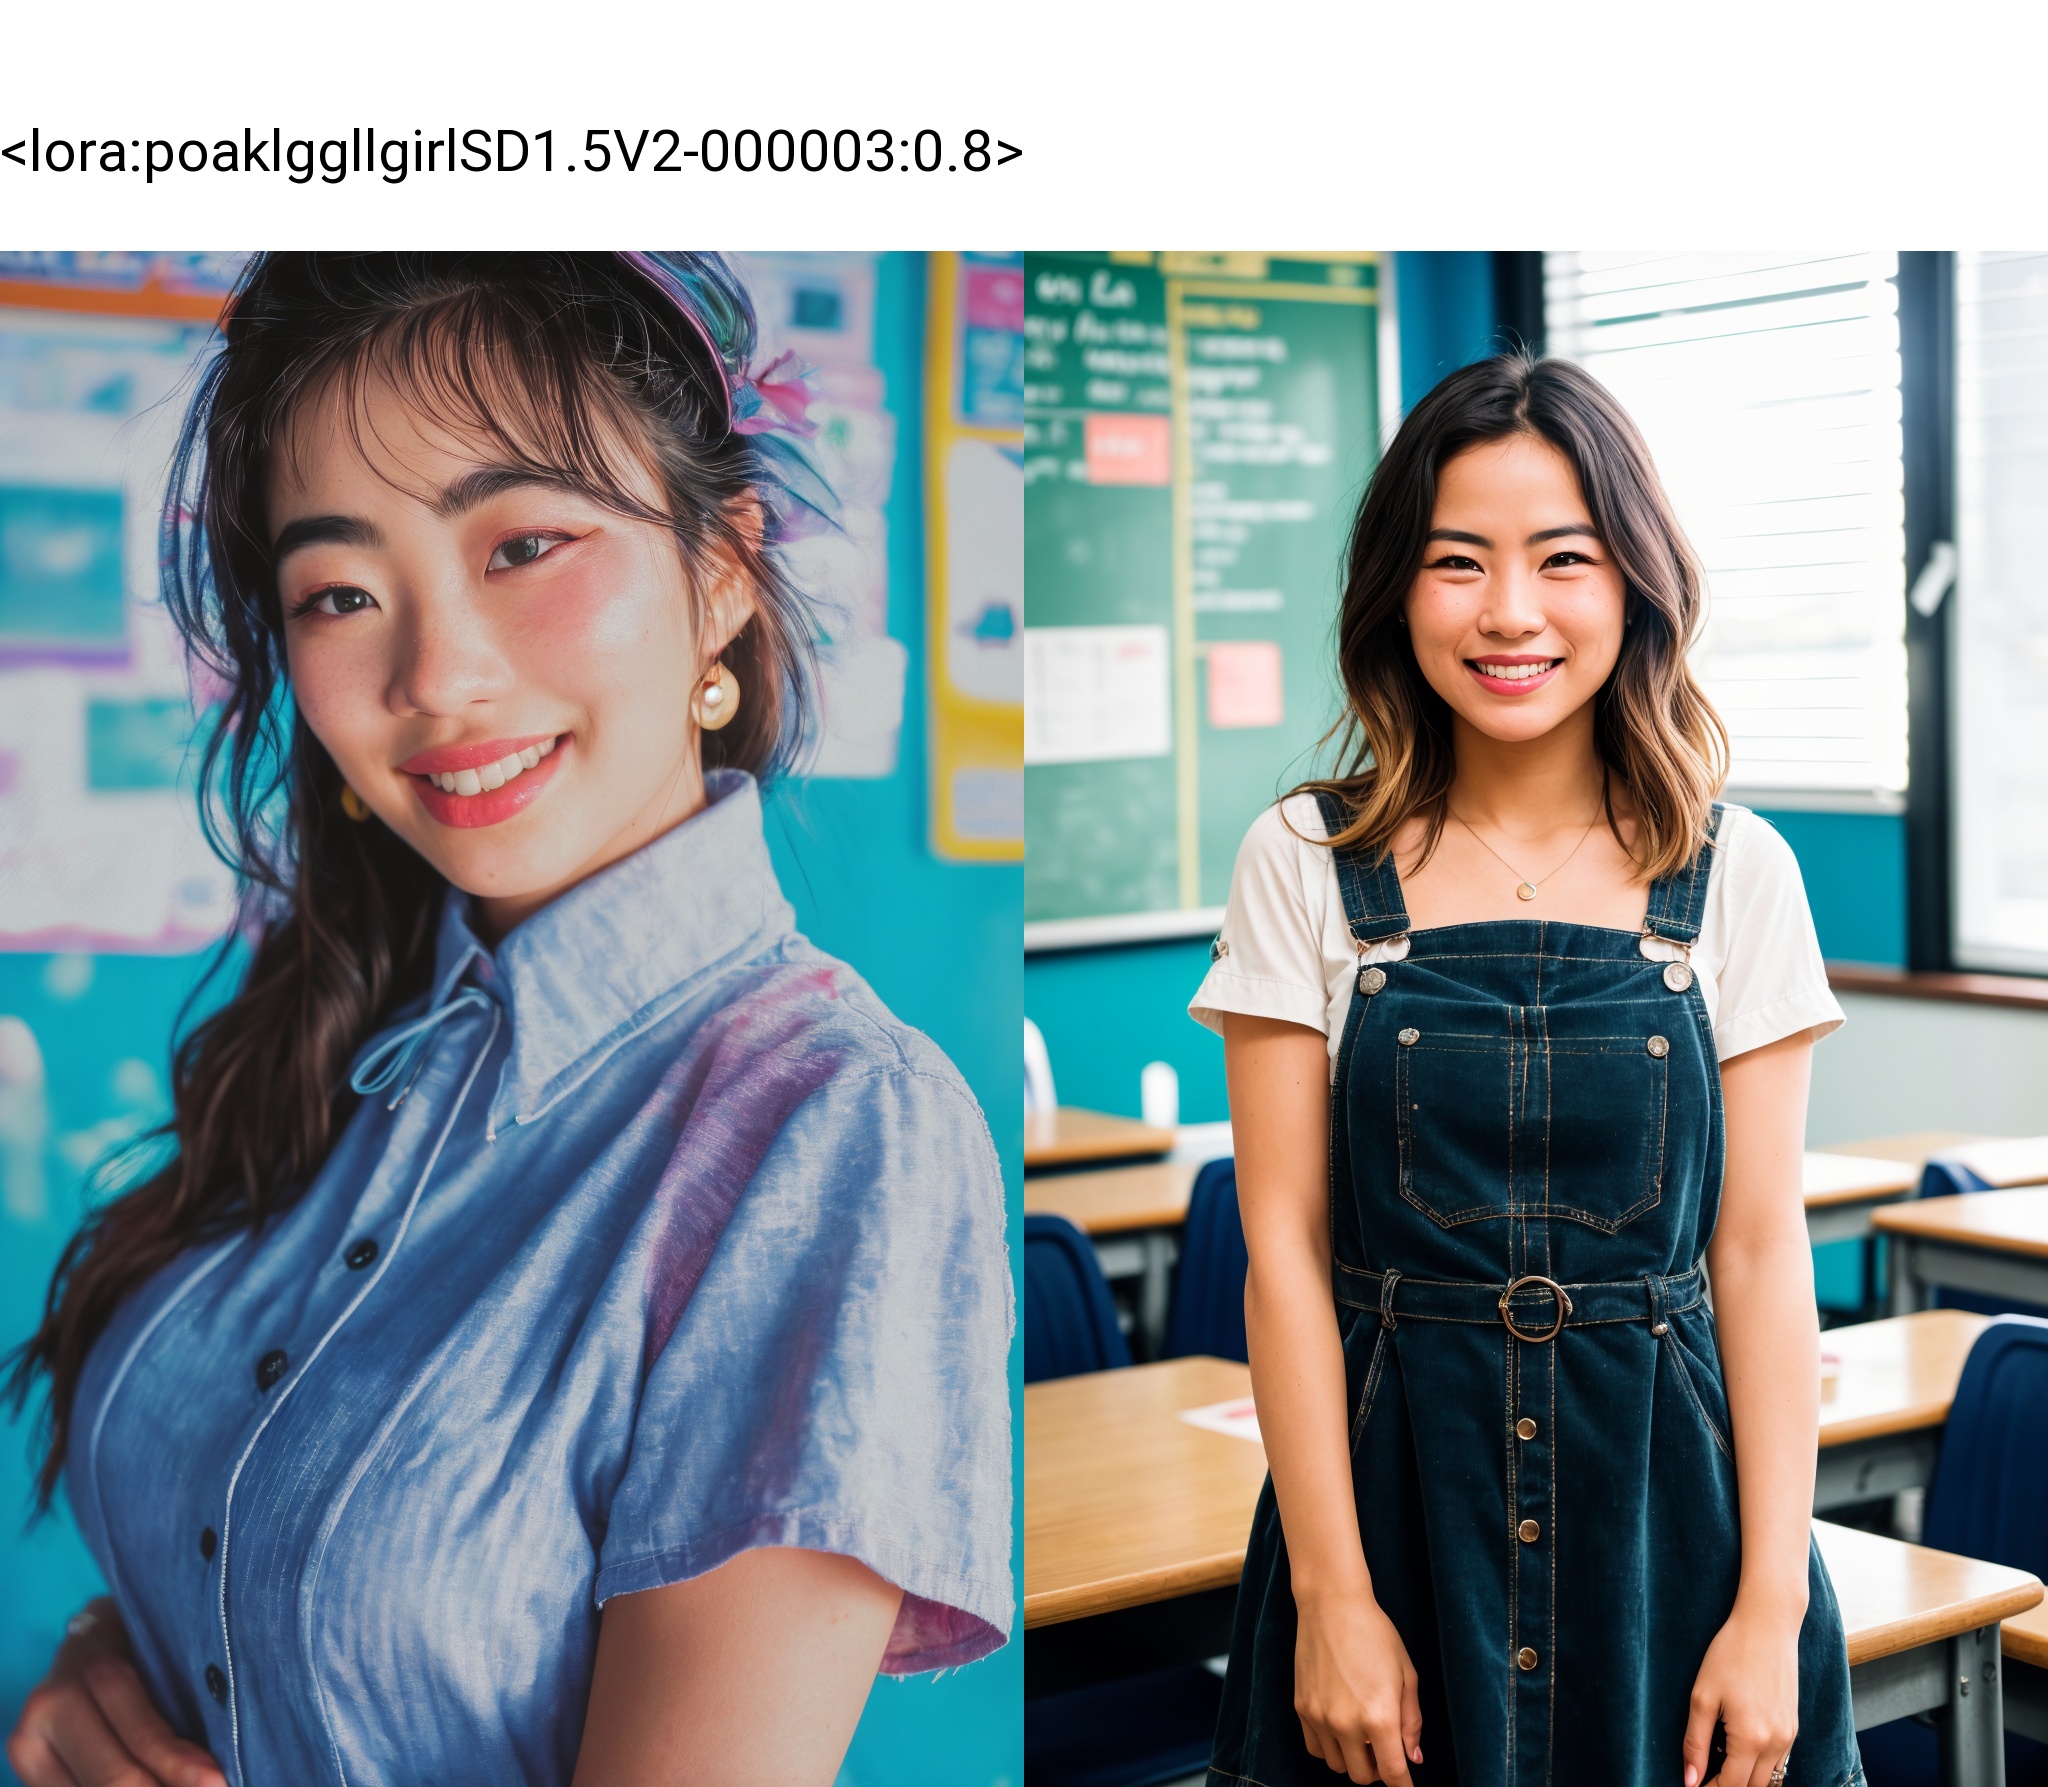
(1154, 1291)
(1972, 1727)
(1908, 1293)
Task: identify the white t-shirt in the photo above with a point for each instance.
(1286, 952)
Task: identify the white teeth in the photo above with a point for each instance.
(1514, 673)
(492, 775)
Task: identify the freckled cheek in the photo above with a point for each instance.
(338, 685)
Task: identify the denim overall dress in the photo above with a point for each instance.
(1525, 1167)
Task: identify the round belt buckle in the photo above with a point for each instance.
(1564, 1307)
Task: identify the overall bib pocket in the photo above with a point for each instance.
(1454, 1114)
(1532, 1123)
(1609, 1104)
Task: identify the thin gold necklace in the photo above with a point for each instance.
(1525, 888)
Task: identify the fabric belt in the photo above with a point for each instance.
(1532, 1308)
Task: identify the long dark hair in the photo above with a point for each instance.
(572, 365)
(1653, 726)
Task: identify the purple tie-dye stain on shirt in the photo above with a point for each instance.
(741, 1079)
(684, 1244)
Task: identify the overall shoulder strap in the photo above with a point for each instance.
(1678, 901)
(1371, 889)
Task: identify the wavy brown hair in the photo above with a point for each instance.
(1653, 726)
(583, 368)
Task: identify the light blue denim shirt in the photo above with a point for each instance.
(658, 1238)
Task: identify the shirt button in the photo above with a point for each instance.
(1529, 1531)
(1525, 1658)
(1526, 1428)
(207, 1541)
(216, 1683)
(360, 1255)
(270, 1368)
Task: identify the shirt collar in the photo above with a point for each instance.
(617, 952)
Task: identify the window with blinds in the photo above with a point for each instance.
(1767, 386)
(1999, 627)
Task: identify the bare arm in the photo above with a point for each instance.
(752, 1675)
(1354, 1685)
(1762, 1270)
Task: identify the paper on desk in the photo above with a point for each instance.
(2015, 1160)
(1238, 1418)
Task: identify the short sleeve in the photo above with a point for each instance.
(1773, 983)
(1269, 960)
(838, 1377)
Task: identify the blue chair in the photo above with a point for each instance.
(1985, 1501)
(1208, 1291)
(1137, 1732)
(1069, 1317)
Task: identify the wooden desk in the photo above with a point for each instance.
(1126, 1505)
(1070, 1136)
(1923, 1637)
(1124, 1502)
(1116, 1200)
(1995, 1242)
(1841, 1190)
(1881, 1419)
(1913, 1146)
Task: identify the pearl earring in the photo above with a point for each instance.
(717, 698)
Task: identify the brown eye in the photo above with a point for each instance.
(340, 598)
(522, 549)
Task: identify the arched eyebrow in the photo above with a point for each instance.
(469, 491)
(323, 530)
(1571, 529)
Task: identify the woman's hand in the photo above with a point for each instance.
(1749, 1682)
(89, 1722)
(1354, 1689)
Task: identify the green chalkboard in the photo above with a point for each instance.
(1198, 429)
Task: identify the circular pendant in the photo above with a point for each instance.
(1527, 891)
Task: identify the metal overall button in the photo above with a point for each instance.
(1564, 1307)
(1658, 1047)
(1408, 1038)
(1525, 1658)
(1370, 980)
(1677, 976)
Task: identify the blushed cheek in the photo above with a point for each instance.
(614, 639)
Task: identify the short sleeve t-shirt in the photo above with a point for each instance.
(1285, 950)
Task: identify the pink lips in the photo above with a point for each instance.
(1501, 685)
(445, 760)
(494, 805)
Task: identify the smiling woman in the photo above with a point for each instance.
(1517, 1021)
(569, 1339)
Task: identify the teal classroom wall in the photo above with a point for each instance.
(937, 940)
(1105, 1013)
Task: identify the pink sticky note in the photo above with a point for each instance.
(1128, 449)
(1244, 683)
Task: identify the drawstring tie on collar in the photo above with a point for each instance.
(404, 1051)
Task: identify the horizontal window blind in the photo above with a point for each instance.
(1999, 629)
(1767, 386)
